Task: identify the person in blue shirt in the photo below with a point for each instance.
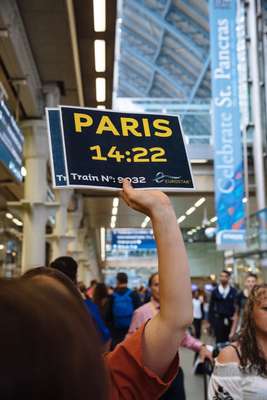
(68, 266)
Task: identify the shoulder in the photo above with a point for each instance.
(228, 355)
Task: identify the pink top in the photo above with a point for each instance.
(148, 311)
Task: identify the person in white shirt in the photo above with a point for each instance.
(197, 313)
(240, 371)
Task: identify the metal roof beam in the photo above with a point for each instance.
(129, 88)
(154, 68)
(183, 39)
(195, 11)
(194, 27)
(199, 80)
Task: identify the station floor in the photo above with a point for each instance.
(194, 384)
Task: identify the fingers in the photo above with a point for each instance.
(126, 191)
(126, 186)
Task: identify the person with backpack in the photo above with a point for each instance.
(121, 307)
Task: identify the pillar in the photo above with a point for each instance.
(258, 152)
(74, 222)
(34, 208)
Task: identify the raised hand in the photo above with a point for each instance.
(149, 202)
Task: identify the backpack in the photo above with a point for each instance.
(122, 309)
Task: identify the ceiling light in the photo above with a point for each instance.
(190, 233)
(17, 222)
(102, 243)
(112, 225)
(244, 200)
(113, 219)
(23, 171)
(198, 227)
(100, 15)
(9, 216)
(100, 55)
(100, 89)
(114, 210)
(101, 107)
(2, 247)
(200, 201)
(198, 161)
(214, 219)
(145, 222)
(190, 210)
(115, 202)
(181, 219)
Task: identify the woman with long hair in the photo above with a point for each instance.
(240, 371)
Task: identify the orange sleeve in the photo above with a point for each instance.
(129, 378)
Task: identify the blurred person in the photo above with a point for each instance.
(47, 353)
(68, 266)
(100, 298)
(90, 290)
(82, 288)
(240, 371)
(241, 299)
(141, 367)
(110, 290)
(120, 308)
(198, 313)
(148, 311)
(222, 308)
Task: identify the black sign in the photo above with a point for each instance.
(101, 148)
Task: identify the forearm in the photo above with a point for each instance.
(191, 343)
(175, 285)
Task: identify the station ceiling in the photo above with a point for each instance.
(163, 52)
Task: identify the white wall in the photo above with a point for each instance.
(204, 259)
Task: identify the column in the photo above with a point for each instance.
(74, 222)
(61, 237)
(256, 105)
(34, 208)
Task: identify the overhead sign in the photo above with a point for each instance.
(228, 161)
(11, 142)
(101, 148)
(132, 239)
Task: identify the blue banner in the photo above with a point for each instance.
(11, 142)
(228, 158)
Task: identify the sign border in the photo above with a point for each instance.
(113, 188)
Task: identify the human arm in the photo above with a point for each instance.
(138, 319)
(191, 343)
(165, 331)
(236, 317)
(226, 380)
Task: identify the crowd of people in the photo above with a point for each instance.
(61, 340)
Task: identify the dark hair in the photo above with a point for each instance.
(100, 293)
(252, 356)
(251, 275)
(58, 276)
(122, 277)
(150, 280)
(93, 282)
(51, 349)
(224, 271)
(67, 265)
